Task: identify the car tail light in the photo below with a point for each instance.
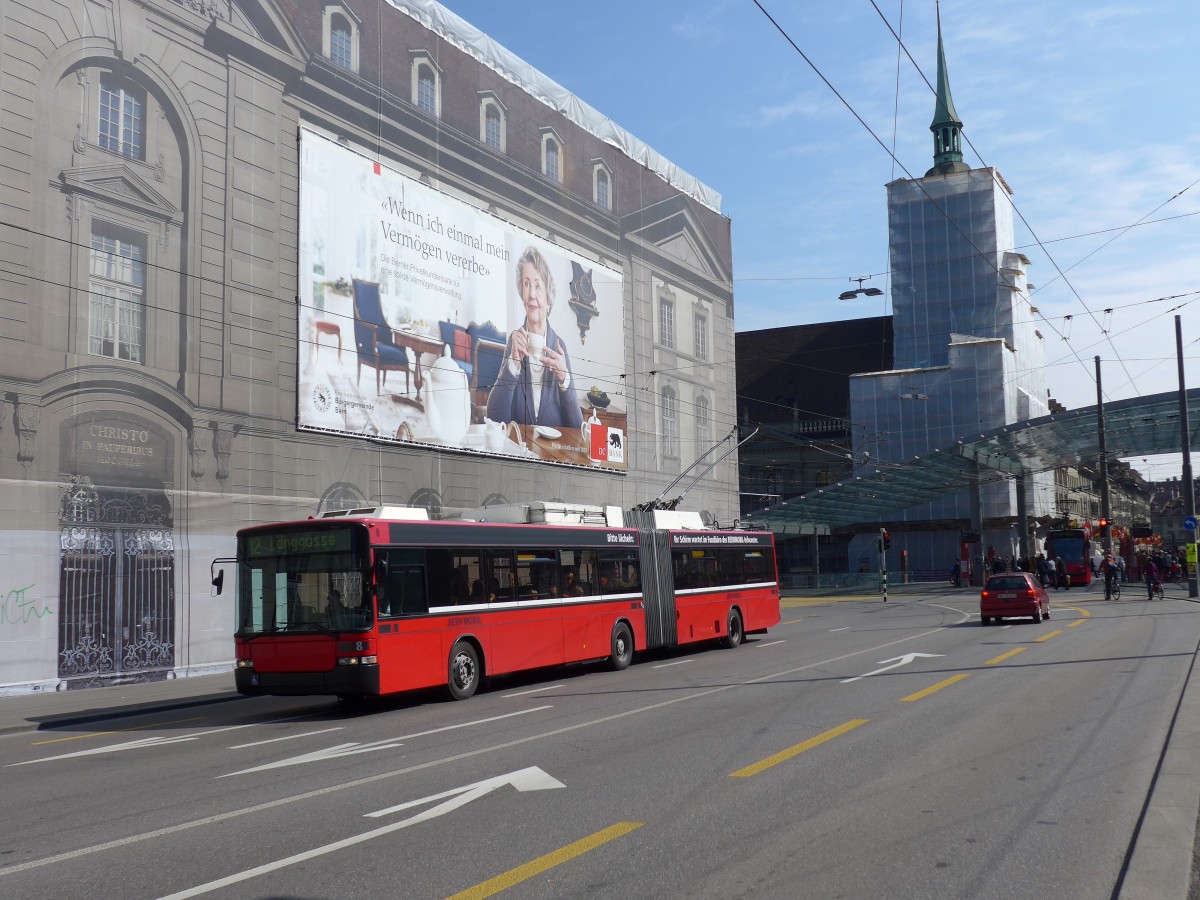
(984, 595)
(1031, 594)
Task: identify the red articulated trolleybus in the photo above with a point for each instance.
(374, 601)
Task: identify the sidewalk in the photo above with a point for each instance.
(44, 710)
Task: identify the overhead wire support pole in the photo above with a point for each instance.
(1105, 496)
(1189, 487)
(883, 573)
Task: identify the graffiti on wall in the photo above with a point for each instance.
(19, 606)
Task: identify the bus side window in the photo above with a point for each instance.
(402, 593)
(756, 565)
(729, 567)
(679, 566)
(619, 571)
(578, 574)
(498, 576)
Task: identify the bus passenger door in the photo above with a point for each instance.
(410, 651)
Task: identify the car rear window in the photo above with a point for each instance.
(1007, 584)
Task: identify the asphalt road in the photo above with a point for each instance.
(822, 760)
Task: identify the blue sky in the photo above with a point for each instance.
(1090, 110)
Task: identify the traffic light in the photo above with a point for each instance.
(885, 540)
(1103, 525)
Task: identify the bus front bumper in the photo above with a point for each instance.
(349, 681)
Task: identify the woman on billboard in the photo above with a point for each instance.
(534, 386)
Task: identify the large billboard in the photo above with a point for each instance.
(427, 321)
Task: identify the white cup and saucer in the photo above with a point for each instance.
(537, 349)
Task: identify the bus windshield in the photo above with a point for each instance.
(302, 578)
(1069, 547)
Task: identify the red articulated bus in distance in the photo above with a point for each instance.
(1074, 547)
(376, 601)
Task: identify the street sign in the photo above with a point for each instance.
(1191, 555)
(1190, 523)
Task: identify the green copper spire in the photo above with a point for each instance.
(946, 127)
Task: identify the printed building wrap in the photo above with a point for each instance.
(259, 259)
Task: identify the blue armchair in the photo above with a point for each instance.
(373, 337)
(488, 345)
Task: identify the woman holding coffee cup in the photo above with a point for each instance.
(534, 386)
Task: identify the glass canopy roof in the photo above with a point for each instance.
(1141, 426)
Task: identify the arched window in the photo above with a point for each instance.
(426, 90)
(552, 155)
(341, 42)
(602, 185)
(340, 37)
(492, 129)
(492, 121)
(426, 83)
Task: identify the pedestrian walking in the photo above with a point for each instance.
(1150, 573)
(1064, 577)
(1109, 569)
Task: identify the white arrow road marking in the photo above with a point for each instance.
(286, 737)
(530, 779)
(897, 661)
(352, 748)
(340, 750)
(128, 745)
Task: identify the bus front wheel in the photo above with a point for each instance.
(464, 671)
(734, 633)
(622, 647)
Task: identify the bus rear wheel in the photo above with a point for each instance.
(622, 647)
(734, 632)
(464, 671)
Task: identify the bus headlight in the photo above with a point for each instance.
(358, 660)
(244, 664)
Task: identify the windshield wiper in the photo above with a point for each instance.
(315, 626)
(292, 627)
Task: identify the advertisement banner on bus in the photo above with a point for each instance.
(428, 321)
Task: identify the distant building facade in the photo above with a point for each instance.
(260, 261)
(793, 388)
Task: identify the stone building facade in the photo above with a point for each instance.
(155, 325)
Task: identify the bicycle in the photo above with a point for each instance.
(1115, 594)
(1156, 590)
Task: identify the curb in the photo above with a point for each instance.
(84, 717)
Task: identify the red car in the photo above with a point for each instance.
(1013, 594)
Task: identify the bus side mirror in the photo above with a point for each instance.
(381, 569)
(218, 574)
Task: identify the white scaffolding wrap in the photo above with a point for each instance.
(485, 50)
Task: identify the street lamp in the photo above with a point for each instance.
(868, 292)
